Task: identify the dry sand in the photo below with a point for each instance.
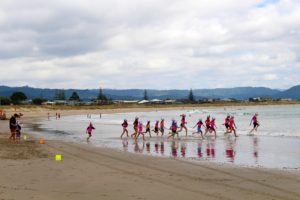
(28, 171)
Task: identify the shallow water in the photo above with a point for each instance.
(276, 145)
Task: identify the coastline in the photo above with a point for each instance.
(93, 173)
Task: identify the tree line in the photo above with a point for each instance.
(19, 97)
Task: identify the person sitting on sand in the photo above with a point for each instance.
(199, 125)
(148, 128)
(125, 125)
(13, 126)
(255, 123)
(183, 124)
(135, 127)
(89, 131)
(173, 129)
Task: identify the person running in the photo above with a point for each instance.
(255, 123)
(13, 126)
(162, 127)
(135, 127)
(183, 124)
(173, 129)
(148, 128)
(89, 131)
(226, 123)
(199, 125)
(207, 125)
(232, 126)
(125, 125)
(140, 130)
(212, 126)
(156, 128)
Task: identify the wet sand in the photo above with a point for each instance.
(28, 171)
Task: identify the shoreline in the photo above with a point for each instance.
(96, 172)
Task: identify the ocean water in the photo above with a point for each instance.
(275, 145)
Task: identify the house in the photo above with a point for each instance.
(144, 102)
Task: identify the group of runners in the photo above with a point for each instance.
(159, 127)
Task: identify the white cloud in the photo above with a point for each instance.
(150, 44)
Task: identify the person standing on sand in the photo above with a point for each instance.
(255, 123)
(13, 126)
(125, 125)
(89, 131)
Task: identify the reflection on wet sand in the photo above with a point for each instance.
(201, 149)
(230, 149)
(210, 149)
(255, 149)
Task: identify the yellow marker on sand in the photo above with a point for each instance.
(25, 137)
(58, 157)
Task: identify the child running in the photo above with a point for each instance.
(162, 127)
(213, 126)
(140, 130)
(226, 124)
(199, 125)
(148, 128)
(135, 127)
(207, 124)
(173, 129)
(156, 128)
(183, 124)
(89, 131)
(255, 123)
(232, 126)
(125, 125)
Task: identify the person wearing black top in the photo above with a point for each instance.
(13, 126)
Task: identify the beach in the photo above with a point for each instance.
(29, 171)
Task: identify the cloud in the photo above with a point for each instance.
(149, 44)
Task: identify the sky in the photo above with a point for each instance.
(150, 44)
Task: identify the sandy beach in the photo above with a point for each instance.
(29, 171)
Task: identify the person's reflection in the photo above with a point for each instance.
(148, 147)
(156, 147)
(138, 148)
(230, 149)
(199, 149)
(183, 149)
(174, 147)
(125, 144)
(162, 148)
(210, 148)
(255, 149)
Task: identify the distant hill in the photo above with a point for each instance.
(293, 93)
(240, 93)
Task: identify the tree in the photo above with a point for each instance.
(38, 101)
(17, 97)
(101, 96)
(74, 97)
(146, 95)
(5, 101)
(191, 96)
(59, 95)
